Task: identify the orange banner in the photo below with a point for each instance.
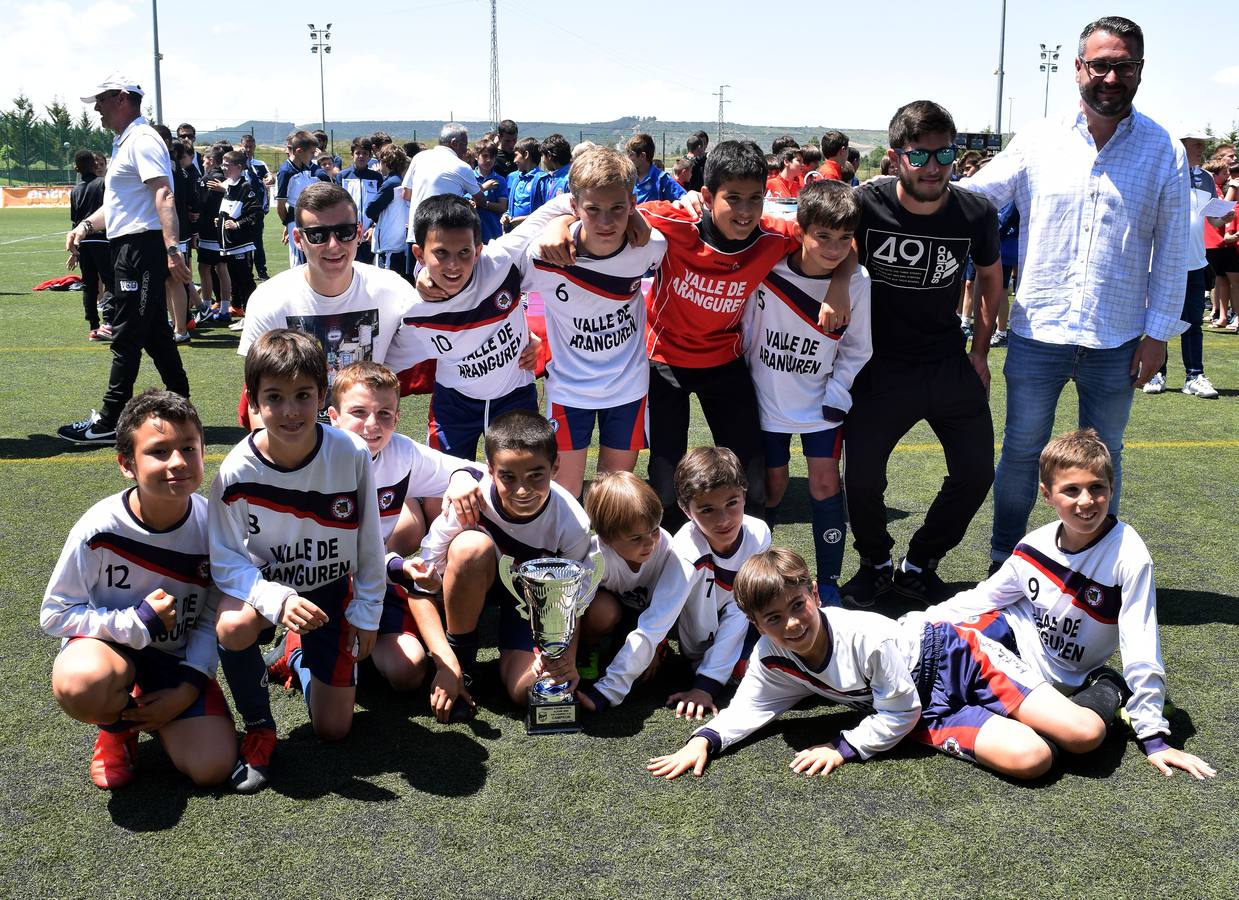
(31, 197)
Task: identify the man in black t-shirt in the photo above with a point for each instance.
(915, 234)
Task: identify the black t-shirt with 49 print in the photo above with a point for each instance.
(916, 264)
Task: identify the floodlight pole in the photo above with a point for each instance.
(1002, 42)
(158, 57)
(320, 44)
(1049, 65)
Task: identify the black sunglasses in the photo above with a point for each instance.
(318, 234)
(1123, 68)
(918, 158)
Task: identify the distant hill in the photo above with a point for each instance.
(669, 136)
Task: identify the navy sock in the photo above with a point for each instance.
(829, 530)
(247, 679)
(465, 646)
(296, 662)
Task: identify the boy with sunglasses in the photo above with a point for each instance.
(914, 235)
(351, 309)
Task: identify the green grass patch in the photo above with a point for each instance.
(405, 806)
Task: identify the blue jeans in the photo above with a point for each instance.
(1192, 340)
(1036, 373)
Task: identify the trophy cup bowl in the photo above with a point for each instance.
(551, 592)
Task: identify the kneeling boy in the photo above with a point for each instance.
(294, 540)
(643, 585)
(410, 479)
(525, 515)
(1072, 593)
(131, 596)
(948, 687)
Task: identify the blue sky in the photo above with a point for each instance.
(591, 61)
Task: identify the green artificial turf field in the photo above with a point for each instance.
(405, 806)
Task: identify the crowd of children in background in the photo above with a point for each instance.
(338, 534)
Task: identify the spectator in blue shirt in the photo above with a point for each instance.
(653, 183)
(494, 190)
(556, 160)
(362, 183)
(522, 181)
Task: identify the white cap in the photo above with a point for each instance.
(1192, 132)
(114, 82)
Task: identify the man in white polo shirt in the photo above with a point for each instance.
(140, 217)
(441, 170)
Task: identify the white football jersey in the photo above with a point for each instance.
(798, 367)
(111, 561)
(595, 322)
(276, 532)
(868, 667)
(405, 468)
(1070, 612)
(656, 591)
(711, 626)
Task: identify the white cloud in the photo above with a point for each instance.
(1229, 75)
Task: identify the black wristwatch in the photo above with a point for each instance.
(173, 249)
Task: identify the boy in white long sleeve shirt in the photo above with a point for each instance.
(295, 539)
(1073, 592)
(131, 597)
(942, 685)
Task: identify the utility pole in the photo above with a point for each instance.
(1002, 41)
(494, 65)
(1049, 65)
(721, 101)
(158, 57)
(320, 44)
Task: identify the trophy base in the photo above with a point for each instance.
(552, 716)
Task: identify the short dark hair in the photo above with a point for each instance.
(705, 469)
(235, 158)
(284, 353)
(853, 155)
(379, 138)
(1125, 29)
(322, 195)
(412, 148)
(811, 155)
(702, 138)
(507, 126)
(693, 143)
(734, 161)
(531, 148)
(445, 212)
(828, 204)
(788, 154)
(915, 119)
(765, 575)
(301, 140)
(84, 162)
(833, 142)
(782, 143)
(521, 429)
(555, 148)
(641, 144)
(152, 404)
(185, 126)
(320, 137)
(363, 144)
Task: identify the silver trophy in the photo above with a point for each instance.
(551, 593)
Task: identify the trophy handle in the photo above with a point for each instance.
(505, 575)
(599, 568)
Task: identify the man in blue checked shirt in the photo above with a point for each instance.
(1103, 200)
